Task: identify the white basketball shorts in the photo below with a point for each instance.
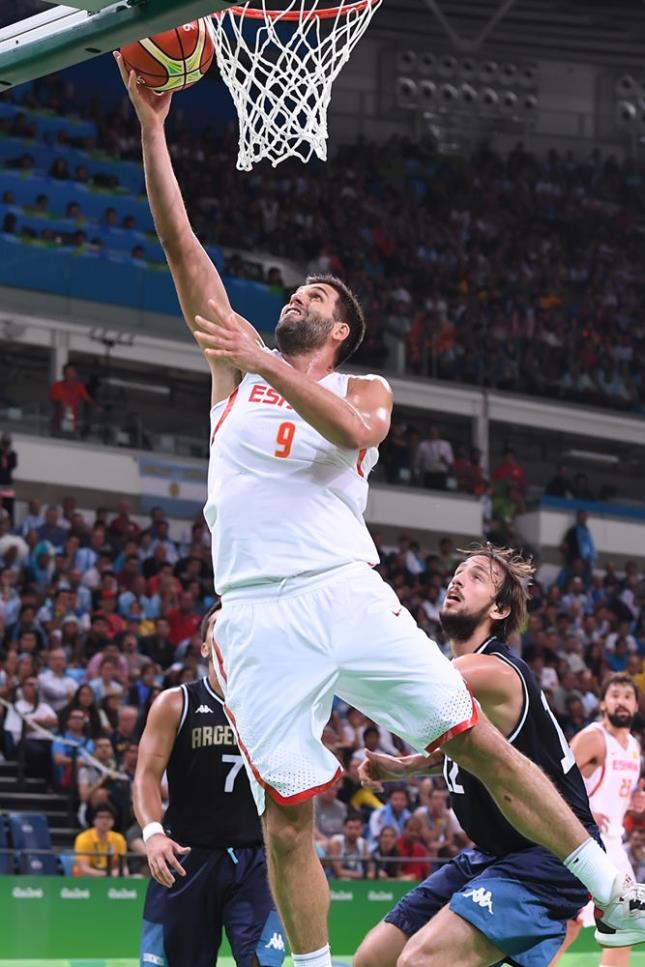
(618, 856)
(281, 654)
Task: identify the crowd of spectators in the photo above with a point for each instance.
(100, 611)
(517, 272)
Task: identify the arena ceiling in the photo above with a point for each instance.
(594, 31)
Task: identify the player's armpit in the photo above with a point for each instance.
(588, 747)
(496, 685)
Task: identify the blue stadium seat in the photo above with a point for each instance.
(29, 836)
(67, 862)
(6, 860)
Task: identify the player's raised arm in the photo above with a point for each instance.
(361, 419)
(155, 749)
(197, 281)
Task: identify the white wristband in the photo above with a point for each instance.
(151, 830)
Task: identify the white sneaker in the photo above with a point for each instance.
(622, 922)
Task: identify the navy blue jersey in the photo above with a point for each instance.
(539, 737)
(210, 800)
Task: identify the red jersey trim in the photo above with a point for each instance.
(455, 731)
(595, 789)
(220, 661)
(227, 409)
(275, 795)
(359, 462)
(591, 792)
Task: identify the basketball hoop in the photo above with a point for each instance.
(281, 80)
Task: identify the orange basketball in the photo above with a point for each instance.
(173, 60)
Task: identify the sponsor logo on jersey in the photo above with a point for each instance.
(481, 897)
(275, 943)
(27, 893)
(203, 708)
(76, 893)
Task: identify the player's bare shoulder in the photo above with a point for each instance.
(166, 710)
(370, 382)
(371, 396)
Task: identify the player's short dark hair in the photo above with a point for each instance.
(203, 628)
(105, 807)
(348, 309)
(354, 817)
(619, 678)
(513, 592)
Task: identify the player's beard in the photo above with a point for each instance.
(621, 721)
(297, 335)
(461, 625)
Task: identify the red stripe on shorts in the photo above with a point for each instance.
(275, 795)
(227, 410)
(220, 661)
(455, 730)
(359, 462)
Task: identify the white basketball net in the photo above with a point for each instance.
(282, 87)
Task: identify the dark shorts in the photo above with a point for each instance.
(222, 889)
(521, 902)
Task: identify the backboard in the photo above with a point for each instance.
(66, 35)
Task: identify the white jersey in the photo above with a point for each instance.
(611, 786)
(282, 500)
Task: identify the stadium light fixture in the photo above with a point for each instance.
(468, 68)
(469, 94)
(488, 71)
(448, 66)
(427, 63)
(471, 89)
(508, 74)
(508, 102)
(406, 93)
(626, 113)
(528, 77)
(448, 94)
(626, 86)
(427, 93)
(406, 61)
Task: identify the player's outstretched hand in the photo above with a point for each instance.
(377, 767)
(229, 338)
(151, 108)
(162, 855)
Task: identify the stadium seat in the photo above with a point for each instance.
(29, 838)
(67, 862)
(6, 861)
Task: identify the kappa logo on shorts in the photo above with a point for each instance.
(203, 708)
(397, 613)
(481, 897)
(148, 958)
(275, 943)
